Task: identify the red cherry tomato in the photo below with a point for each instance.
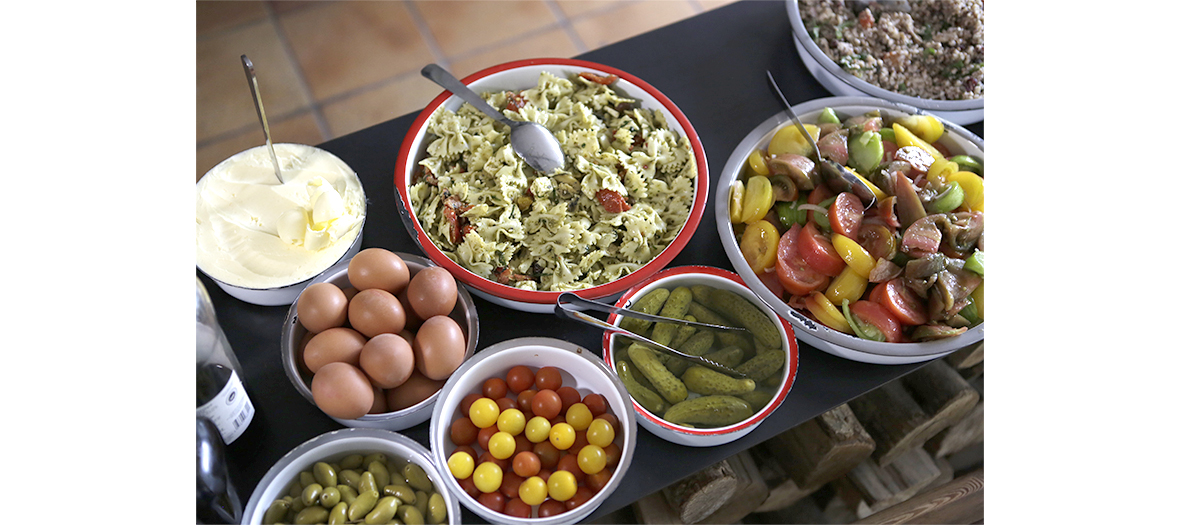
(495, 388)
(526, 464)
(463, 432)
(550, 507)
(580, 498)
(484, 435)
(596, 481)
(902, 302)
(547, 404)
(468, 486)
(845, 214)
(569, 463)
(518, 508)
(492, 500)
(548, 454)
(613, 454)
(596, 403)
(569, 395)
(818, 252)
(465, 403)
(510, 485)
(793, 272)
(519, 378)
(876, 315)
(548, 378)
(507, 402)
(524, 400)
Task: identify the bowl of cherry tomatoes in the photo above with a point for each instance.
(533, 431)
(896, 280)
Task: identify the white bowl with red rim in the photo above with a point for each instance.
(956, 138)
(523, 74)
(672, 278)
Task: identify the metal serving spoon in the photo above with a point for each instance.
(564, 309)
(533, 142)
(249, 67)
(838, 177)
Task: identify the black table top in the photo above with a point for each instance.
(712, 67)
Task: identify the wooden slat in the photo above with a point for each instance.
(960, 501)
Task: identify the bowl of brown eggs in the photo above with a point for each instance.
(372, 340)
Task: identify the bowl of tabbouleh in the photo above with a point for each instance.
(926, 54)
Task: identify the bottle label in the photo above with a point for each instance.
(231, 410)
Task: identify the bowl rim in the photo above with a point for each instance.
(758, 417)
(439, 422)
(403, 169)
(287, 342)
(800, 34)
(810, 327)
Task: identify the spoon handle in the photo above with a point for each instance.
(791, 112)
(444, 78)
(253, 80)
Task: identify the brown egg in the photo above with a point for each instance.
(413, 320)
(376, 311)
(380, 405)
(322, 306)
(350, 292)
(415, 390)
(340, 344)
(432, 292)
(342, 391)
(378, 268)
(408, 335)
(388, 360)
(439, 347)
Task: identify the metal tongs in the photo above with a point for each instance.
(568, 300)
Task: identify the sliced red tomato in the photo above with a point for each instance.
(903, 303)
(845, 214)
(890, 150)
(818, 252)
(877, 294)
(792, 271)
(771, 281)
(819, 194)
(612, 201)
(874, 314)
(878, 240)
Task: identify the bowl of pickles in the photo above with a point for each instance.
(686, 402)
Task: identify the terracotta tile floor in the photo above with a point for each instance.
(326, 69)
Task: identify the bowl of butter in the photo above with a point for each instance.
(263, 236)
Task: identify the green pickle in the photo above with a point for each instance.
(670, 387)
(716, 410)
(643, 395)
(650, 303)
(706, 381)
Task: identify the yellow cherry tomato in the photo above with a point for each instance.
(826, 312)
(578, 416)
(854, 254)
(972, 186)
(758, 163)
(537, 429)
(788, 139)
(905, 137)
(502, 445)
(488, 476)
(759, 245)
(926, 127)
(562, 436)
(534, 490)
(484, 412)
(461, 465)
(600, 433)
(940, 169)
(758, 200)
(511, 421)
(848, 285)
(562, 485)
(591, 459)
(737, 193)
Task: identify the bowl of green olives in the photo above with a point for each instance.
(353, 475)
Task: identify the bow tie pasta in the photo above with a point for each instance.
(623, 195)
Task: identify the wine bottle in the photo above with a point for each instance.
(221, 393)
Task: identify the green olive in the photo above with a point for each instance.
(297, 504)
(368, 483)
(421, 502)
(410, 515)
(329, 497)
(362, 505)
(295, 490)
(437, 509)
(306, 478)
(402, 492)
(417, 477)
(376, 456)
(380, 473)
(324, 474)
(339, 514)
(316, 514)
(350, 478)
(352, 462)
(311, 494)
(347, 493)
(384, 511)
(276, 512)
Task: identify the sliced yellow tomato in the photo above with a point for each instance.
(854, 254)
(848, 285)
(977, 296)
(790, 140)
(972, 185)
(939, 170)
(758, 199)
(737, 194)
(826, 312)
(872, 187)
(926, 127)
(758, 163)
(759, 245)
(905, 137)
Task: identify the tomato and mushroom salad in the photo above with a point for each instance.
(906, 268)
(525, 442)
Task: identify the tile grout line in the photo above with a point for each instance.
(427, 36)
(566, 27)
(288, 50)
